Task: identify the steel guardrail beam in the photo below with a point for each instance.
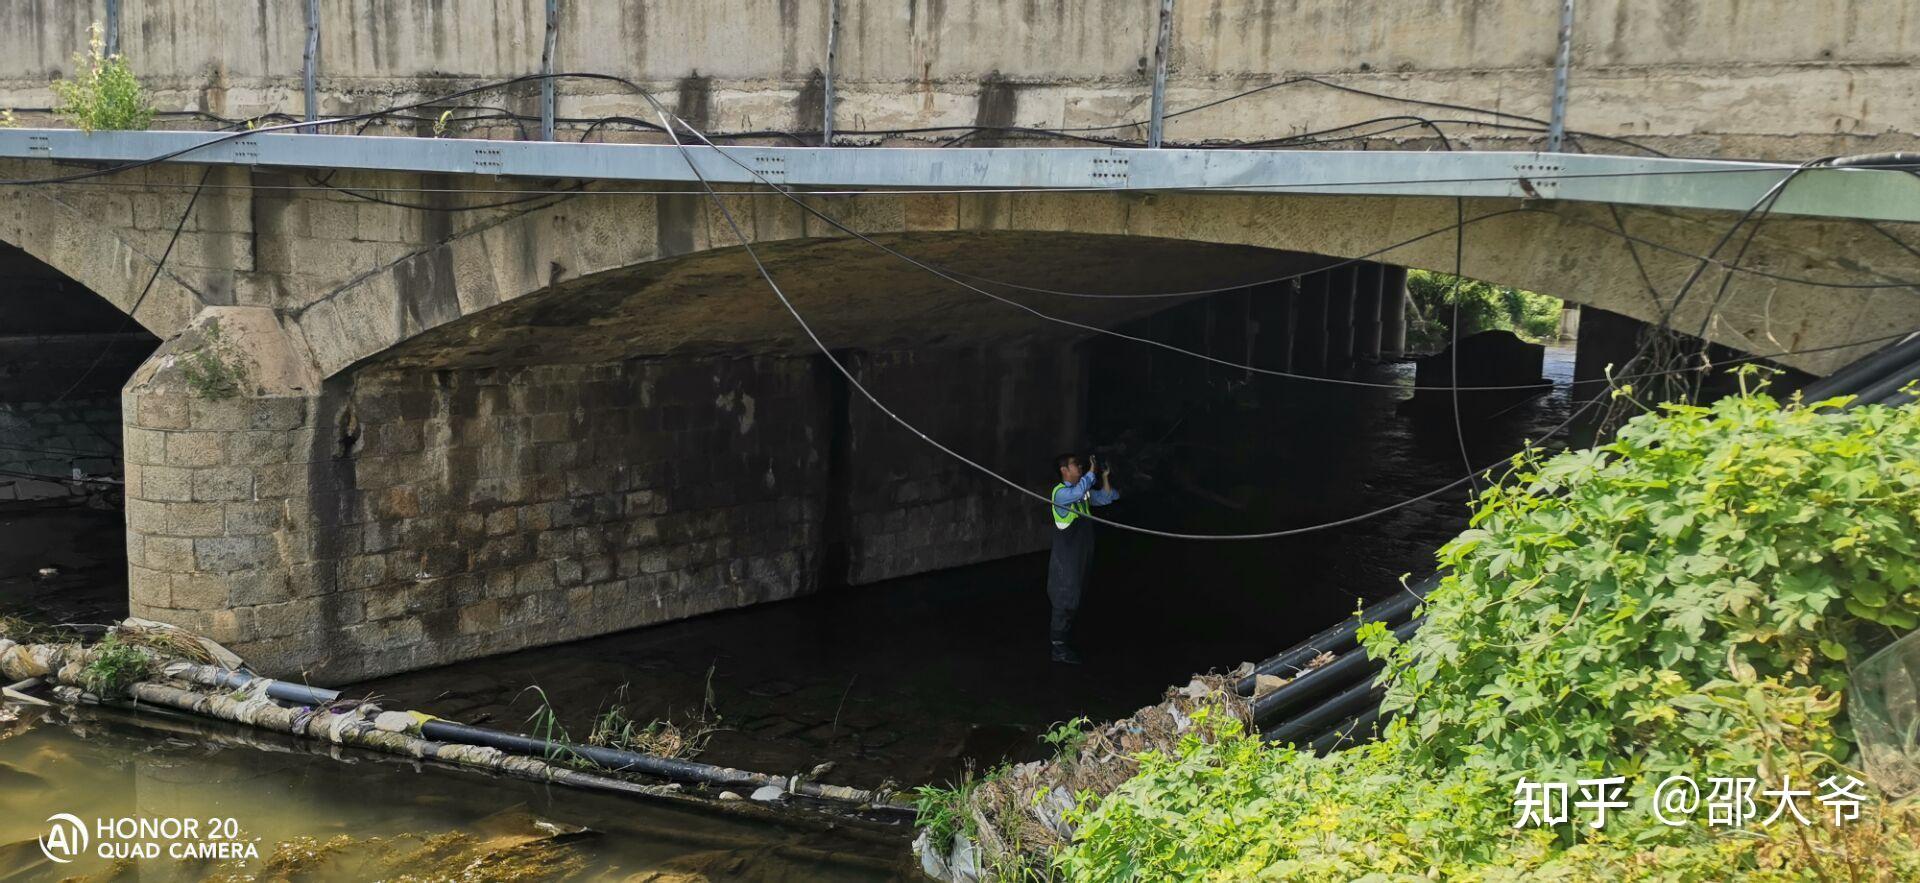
(1718, 185)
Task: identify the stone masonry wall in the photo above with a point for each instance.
(913, 509)
(59, 409)
(425, 517)
(395, 519)
(41, 440)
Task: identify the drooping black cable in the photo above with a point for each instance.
(134, 309)
(853, 382)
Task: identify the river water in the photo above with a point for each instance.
(910, 681)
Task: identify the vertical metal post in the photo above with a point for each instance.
(826, 85)
(311, 59)
(546, 70)
(1156, 125)
(112, 36)
(1557, 123)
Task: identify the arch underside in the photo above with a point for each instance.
(711, 300)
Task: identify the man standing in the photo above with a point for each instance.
(1072, 544)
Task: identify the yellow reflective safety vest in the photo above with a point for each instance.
(1064, 516)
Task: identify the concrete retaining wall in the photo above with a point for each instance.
(1778, 78)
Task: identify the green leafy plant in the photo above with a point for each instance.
(1679, 601)
(1601, 599)
(214, 369)
(7, 120)
(946, 811)
(1483, 306)
(103, 93)
(544, 723)
(1067, 736)
(115, 664)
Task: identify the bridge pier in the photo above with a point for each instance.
(1341, 293)
(1275, 324)
(1310, 336)
(1393, 310)
(395, 518)
(1366, 315)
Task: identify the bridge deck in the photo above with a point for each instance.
(1870, 194)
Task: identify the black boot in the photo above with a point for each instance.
(1064, 654)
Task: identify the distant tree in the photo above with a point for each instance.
(1482, 307)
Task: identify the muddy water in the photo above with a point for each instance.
(909, 681)
(311, 816)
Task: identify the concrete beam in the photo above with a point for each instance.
(1644, 181)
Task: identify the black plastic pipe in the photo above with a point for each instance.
(1340, 706)
(1887, 390)
(612, 759)
(285, 691)
(617, 760)
(1338, 637)
(1863, 372)
(1343, 671)
(1352, 731)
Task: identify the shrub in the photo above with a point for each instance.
(103, 93)
(1607, 603)
(1679, 601)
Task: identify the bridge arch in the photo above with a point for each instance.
(572, 259)
(109, 239)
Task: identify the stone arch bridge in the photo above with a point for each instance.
(420, 399)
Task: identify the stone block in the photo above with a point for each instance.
(162, 411)
(145, 516)
(144, 445)
(223, 483)
(170, 554)
(502, 521)
(254, 518)
(166, 484)
(260, 448)
(395, 502)
(363, 572)
(280, 619)
(280, 480)
(223, 554)
(196, 520)
(535, 578)
(480, 618)
(277, 413)
(264, 586)
(312, 579)
(191, 449)
(222, 415)
(200, 591)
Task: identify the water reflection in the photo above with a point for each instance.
(314, 814)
